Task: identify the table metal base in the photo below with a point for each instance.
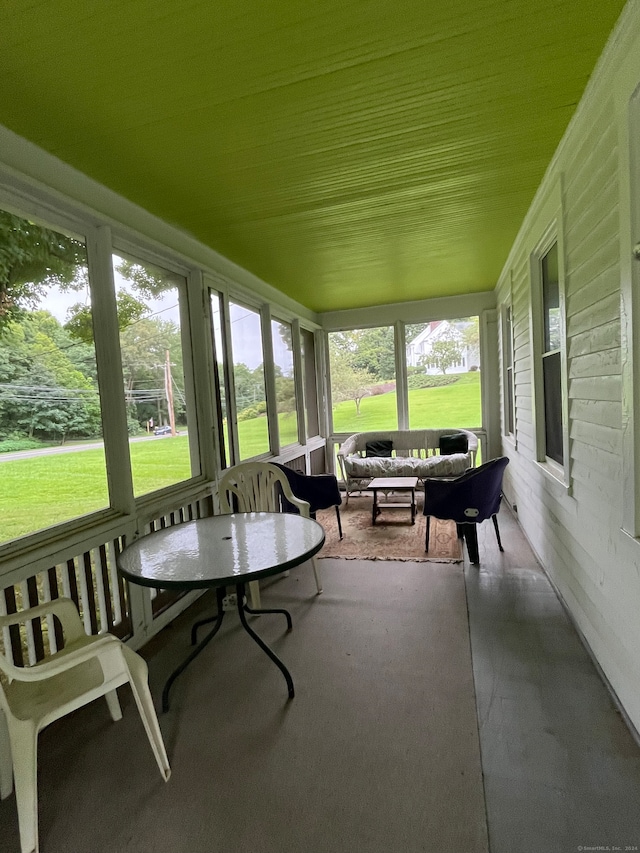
(243, 609)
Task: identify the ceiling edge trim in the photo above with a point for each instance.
(421, 311)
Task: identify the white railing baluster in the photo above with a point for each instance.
(66, 583)
(51, 628)
(31, 646)
(115, 584)
(6, 636)
(83, 594)
(98, 581)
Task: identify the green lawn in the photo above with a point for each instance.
(44, 490)
(455, 405)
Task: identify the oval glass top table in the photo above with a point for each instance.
(222, 551)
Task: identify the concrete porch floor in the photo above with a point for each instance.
(561, 769)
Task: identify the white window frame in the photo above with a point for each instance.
(190, 337)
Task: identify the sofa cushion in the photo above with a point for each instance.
(407, 466)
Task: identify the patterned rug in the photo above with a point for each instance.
(392, 538)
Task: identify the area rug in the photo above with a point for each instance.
(392, 538)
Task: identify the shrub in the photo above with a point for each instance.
(11, 445)
(133, 427)
(424, 380)
(383, 388)
(253, 411)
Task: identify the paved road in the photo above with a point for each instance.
(68, 448)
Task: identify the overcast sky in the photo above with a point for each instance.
(245, 326)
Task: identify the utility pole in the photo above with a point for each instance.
(168, 390)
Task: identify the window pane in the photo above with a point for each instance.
(443, 374)
(248, 374)
(553, 407)
(219, 380)
(363, 382)
(285, 383)
(551, 299)
(52, 464)
(148, 300)
(310, 384)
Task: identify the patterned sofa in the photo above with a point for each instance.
(414, 453)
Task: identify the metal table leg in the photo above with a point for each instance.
(194, 654)
(242, 609)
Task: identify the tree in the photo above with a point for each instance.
(369, 350)
(144, 345)
(80, 317)
(471, 337)
(348, 383)
(249, 385)
(42, 392)
(33, 257)
(285, 394)
(445, 351)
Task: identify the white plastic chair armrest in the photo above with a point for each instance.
(303, 507)
(63, 608)
(61, 661)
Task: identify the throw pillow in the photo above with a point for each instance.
(458, 443)
(378, 448)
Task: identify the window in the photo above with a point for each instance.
(52, 462)
(508, 377)
(549, 356)
(363, 380)
(286, 403)
(248, 375)
(148, 301)
(443, 374)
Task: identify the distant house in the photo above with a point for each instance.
(438, 330)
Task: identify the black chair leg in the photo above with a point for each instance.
(471, 537)
(495, 524)
(339, 521)
(426, 534)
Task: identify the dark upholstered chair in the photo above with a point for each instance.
(468, 500)
(320, 491)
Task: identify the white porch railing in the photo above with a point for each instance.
(82, 566)
(90, 578)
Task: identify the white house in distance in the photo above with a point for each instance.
(438, 330)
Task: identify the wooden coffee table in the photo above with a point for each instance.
(396, 486)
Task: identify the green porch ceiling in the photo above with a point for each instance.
(349, 153)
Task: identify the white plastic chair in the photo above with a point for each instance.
(255, 486)
(88, 667)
